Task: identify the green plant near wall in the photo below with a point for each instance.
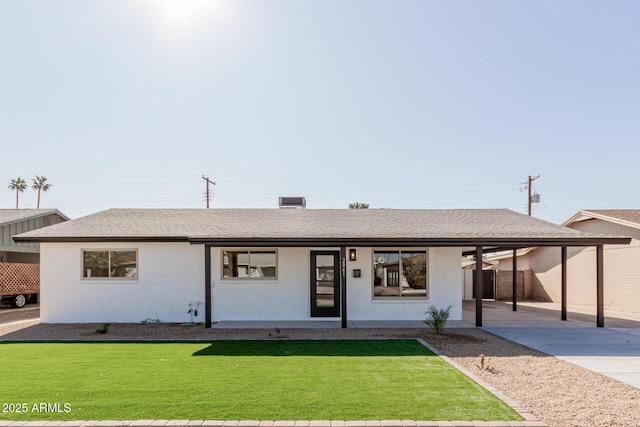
(103, 329)
(437, 318)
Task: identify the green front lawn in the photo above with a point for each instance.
(260, 380)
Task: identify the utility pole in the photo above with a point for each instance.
(213, 182)
(529, 199)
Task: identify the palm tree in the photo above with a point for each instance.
(18, 185)
(40, 183)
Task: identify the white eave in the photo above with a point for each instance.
(585, 215)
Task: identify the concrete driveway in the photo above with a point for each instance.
(613, 351)
(28, 312)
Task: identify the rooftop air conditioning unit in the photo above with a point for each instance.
(292, 203)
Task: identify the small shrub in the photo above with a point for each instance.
(103, 329)
(437, 318)
(485, 363)
(277, 333)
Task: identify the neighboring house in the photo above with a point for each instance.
(622, 263)
(19, 269)
(16, 221)
(468, 264)
(127, 265)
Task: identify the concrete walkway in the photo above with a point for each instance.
(333, 324)
(613, 351)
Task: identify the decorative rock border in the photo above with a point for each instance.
(530, 420)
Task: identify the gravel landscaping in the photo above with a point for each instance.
(557, 392)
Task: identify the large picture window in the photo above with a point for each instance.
(247, 264)
(400, 274)
(108, 264)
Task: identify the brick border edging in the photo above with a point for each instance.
(530, 420)
(249, 423)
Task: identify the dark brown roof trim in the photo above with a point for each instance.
(363, 242)
(443, 242)
(100, 239)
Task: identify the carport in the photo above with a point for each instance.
(598, 241)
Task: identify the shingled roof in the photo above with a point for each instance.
(322, 227)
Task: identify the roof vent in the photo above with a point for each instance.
(292, 203)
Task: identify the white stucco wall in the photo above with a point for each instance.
(288, 298)
(170, 275)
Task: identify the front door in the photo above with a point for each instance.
(325, 284)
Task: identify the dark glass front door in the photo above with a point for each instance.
(325, 284)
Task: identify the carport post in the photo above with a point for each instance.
(478, 286)
(514, 297)
(343, 287)
(600, 286)
(207, 286)
(563, 256)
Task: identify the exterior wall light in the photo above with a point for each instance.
(352, 254)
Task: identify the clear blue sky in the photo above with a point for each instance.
(401, 104)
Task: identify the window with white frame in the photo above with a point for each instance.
(399, 274)
(110, 264)
(249, 264)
